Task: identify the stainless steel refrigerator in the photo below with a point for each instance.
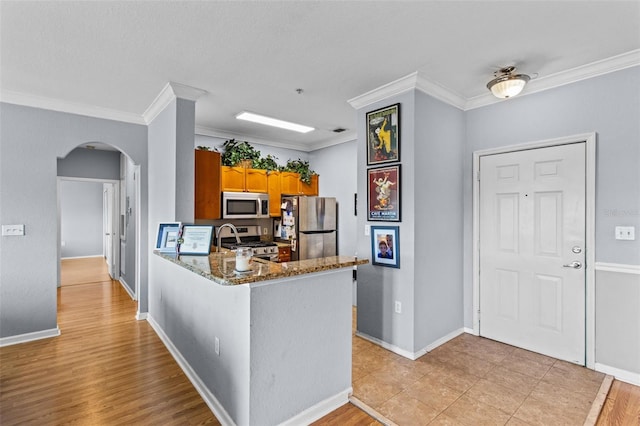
(309, 223)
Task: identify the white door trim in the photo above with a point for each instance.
(590, 140)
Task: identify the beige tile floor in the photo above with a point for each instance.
(472, 381)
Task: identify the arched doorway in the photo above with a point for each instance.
(107, 169)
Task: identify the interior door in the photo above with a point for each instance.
(532, 250)
(111, 243)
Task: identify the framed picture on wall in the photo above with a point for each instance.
(385, 246)
(383, 135)
(168, 234)
(383, 193)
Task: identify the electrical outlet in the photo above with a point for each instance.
(216, 346)
(367, 230)
(13, 230)
(398, 307)
(265, 231)
(625, 233)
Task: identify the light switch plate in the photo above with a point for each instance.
(12, 230)
(625, 233)
(367, 230)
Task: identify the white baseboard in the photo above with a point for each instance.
(320, 410)
(619, 374)
(126, 288)
(469, 331)
(211, 401)
(141, 316)
(29, 337)
(81, 257)
(407, 354)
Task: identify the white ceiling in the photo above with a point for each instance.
(112, 58)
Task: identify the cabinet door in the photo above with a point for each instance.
(309, 189)
(233, 179)
(273, 184)
(207, 185)
(256, 180)
(289, 183)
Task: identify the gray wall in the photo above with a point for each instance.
(437, 166)
(90, 163)
(379, 287)
(81, 218)
(31, 140)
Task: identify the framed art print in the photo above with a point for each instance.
(168, 234)
(383, 193)
(383, 135)
(196, 239)
(385, 246)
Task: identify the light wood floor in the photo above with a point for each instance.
(107, 368)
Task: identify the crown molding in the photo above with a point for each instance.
(401, 85)
(168, 93)
(584, 72)
(51, 104)
(438, 91)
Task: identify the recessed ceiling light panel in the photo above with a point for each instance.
(268, 121)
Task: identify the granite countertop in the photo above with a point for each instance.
(219, 267)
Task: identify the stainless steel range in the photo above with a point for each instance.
(249, 237)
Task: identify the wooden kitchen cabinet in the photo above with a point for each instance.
(274, 190)
(292, 185)
(289, 183)
(239, 179)
(284, 254)
(309, 189)
(256, 180)
(207, 185)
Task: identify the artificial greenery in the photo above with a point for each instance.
(237, 151)
(301, 167)
(266, 163)
(203, 148)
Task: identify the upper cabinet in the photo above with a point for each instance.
(239, 179)
(207, 185)
(292, 185)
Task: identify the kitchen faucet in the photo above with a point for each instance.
(233, 229)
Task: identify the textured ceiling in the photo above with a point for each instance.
(118, 55)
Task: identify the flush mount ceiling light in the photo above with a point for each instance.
(256, 118)
(507, 84)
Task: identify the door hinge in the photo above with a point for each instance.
(478, 175)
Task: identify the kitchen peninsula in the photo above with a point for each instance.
(266, 347)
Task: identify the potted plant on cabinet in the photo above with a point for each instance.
(239, 153)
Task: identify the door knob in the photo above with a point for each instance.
(574, 264)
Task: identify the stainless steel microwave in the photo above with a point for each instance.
(245, 205)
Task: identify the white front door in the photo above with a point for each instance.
(532, 250)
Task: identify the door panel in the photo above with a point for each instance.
(532, 212)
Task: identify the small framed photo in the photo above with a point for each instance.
(385, 246)
(196, 239)
(383, 135)
(168, 234)
(383, 194)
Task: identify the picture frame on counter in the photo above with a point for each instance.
(383, 193)
(196, 240)
(167, 237)
(385, 246)
(383, 135)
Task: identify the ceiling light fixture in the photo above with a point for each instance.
(261, 119)
(507, 84)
